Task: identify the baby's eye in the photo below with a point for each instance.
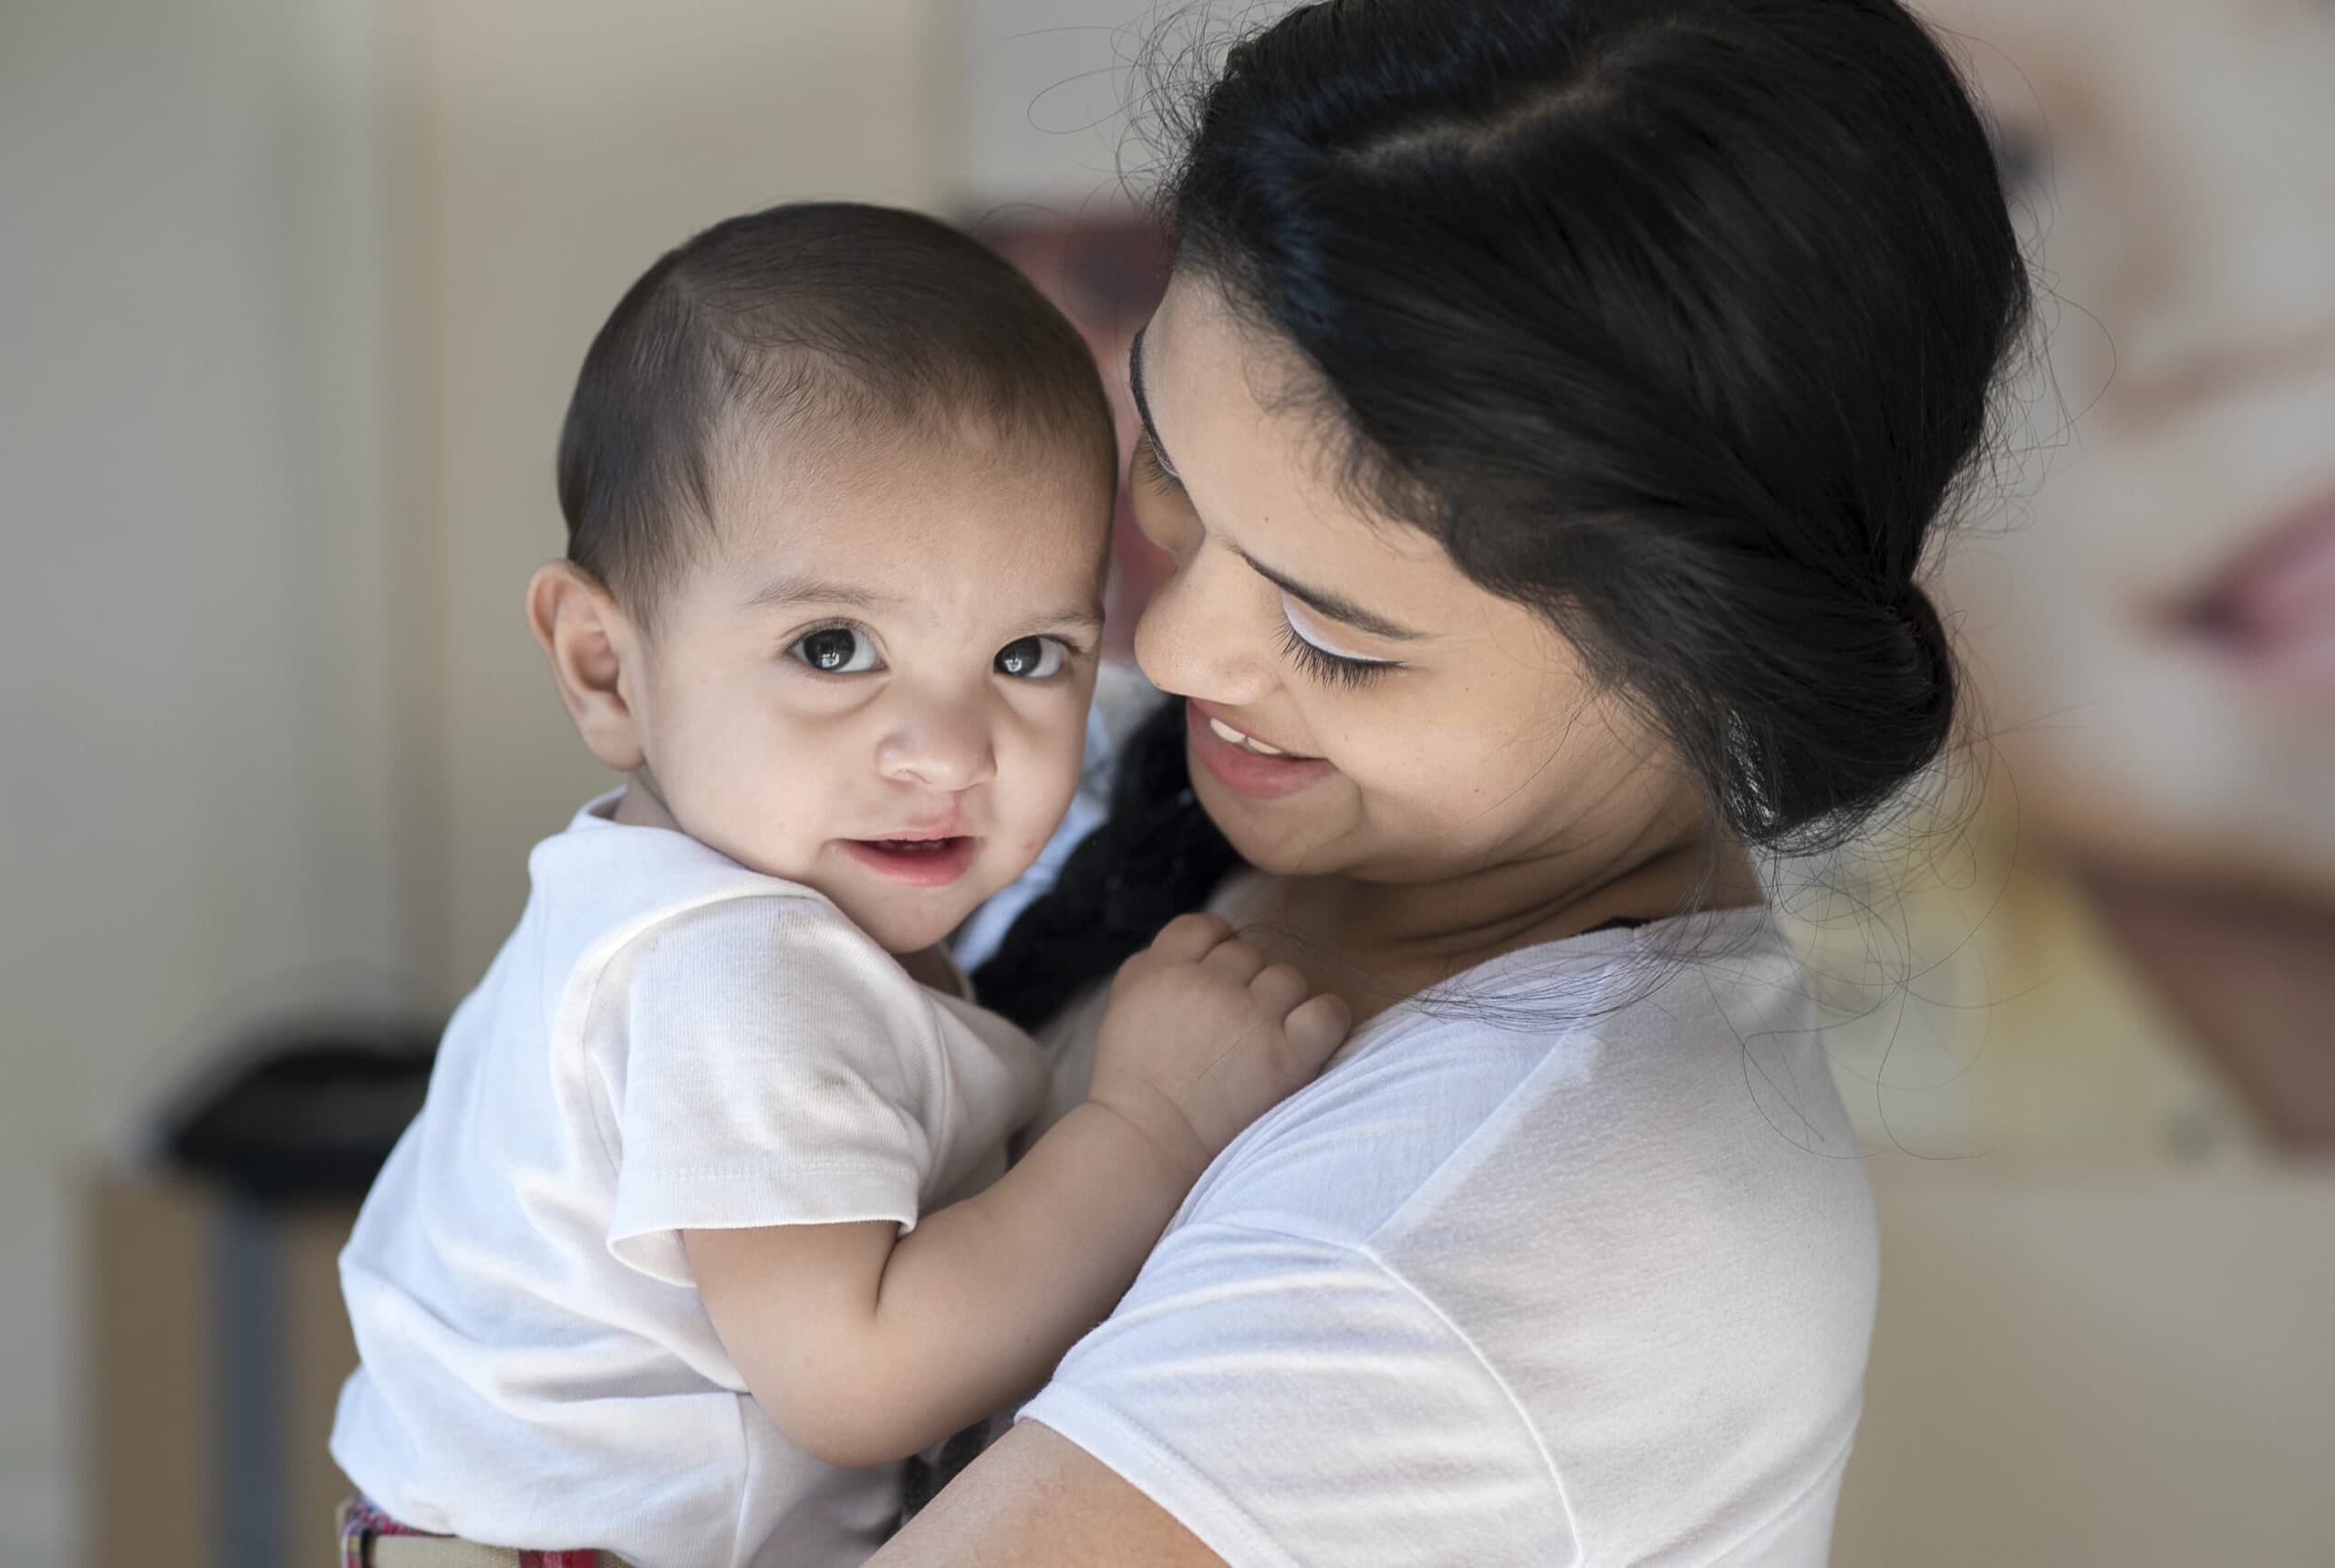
(837, 650)
(1031, 658)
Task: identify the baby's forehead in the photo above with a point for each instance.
(870, 456)
(903, 515)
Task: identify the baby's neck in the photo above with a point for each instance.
(931, 967)
(641, 805)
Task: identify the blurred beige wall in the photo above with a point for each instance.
(198, 779)
(291, 293)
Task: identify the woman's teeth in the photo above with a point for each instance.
(1246, 742)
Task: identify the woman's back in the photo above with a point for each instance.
(1591, 1292)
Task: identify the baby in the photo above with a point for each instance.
(707, 1221)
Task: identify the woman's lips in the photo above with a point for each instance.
(1239, 768)
(918, 862)
(2273, 614)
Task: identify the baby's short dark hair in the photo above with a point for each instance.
(803, 323)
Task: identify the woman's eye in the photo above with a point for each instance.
(836, 650)
(1031, 658)
(1323, 663)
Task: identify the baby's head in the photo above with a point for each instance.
(838, 486)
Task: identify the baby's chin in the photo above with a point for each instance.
(910, 921)
(902, 928)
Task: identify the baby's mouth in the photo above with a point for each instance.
(926, 860)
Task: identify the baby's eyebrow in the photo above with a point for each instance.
(821, 590)
(1084, 617)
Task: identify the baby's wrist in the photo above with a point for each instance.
(1146, 1117)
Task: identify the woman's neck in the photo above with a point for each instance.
(1376, 942)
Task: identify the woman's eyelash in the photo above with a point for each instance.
(1329, 667)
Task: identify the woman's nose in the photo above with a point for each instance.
(1202, 634)
(941, 742)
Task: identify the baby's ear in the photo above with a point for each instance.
(594, 654)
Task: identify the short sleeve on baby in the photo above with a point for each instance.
(764, 1062)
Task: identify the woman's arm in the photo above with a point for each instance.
(1036, 1500)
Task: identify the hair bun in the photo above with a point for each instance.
(1933, 652)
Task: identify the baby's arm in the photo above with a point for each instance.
(865, 1345)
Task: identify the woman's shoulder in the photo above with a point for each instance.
(1654, 1104)
(1551, 1072)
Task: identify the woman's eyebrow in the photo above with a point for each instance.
(1142, 404)
(1319, 601)
(1322, 602)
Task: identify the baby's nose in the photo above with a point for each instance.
(942, 747)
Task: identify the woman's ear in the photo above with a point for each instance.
(594, 654)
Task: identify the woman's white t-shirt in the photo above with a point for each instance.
(1501, 1288)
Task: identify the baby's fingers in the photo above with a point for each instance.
(1234, 962)
(1278, 989)
(1317, 1028)
(1187, 939)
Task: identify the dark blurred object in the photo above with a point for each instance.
(219, 1341)
(217, 1346)
(311, 1111)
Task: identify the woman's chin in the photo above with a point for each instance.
(1278, 839)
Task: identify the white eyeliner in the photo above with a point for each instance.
(1302, 625)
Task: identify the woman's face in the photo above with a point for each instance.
(2157, 630)
(1426, 729)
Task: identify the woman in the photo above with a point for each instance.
(1547, 418)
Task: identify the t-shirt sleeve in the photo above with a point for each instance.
(1292, 1401)
(764, 1063)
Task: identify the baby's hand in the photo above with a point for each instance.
(1202, 1038)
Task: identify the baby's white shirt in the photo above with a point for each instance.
(668, 1041)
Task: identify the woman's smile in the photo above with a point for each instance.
(1243, 762)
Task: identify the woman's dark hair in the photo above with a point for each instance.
(1677, 320)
